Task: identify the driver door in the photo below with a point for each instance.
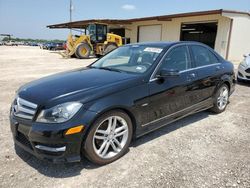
(174, 93)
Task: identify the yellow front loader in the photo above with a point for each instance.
(96, 41)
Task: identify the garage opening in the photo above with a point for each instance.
(118, 31)
(149, 33)
(200, 32)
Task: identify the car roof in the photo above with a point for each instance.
(167, 45)
(164, 44)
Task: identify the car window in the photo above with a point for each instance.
(203, 56)
(177, 58)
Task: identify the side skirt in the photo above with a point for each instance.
(156, 124)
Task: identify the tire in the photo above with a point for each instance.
(83, 51)
(109, 48)
(221, 99)
(94, 146)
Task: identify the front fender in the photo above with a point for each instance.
(130, 100)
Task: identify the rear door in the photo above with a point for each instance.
(209, 70)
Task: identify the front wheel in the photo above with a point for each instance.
(221, 99)
(109, 138)
(83, 51)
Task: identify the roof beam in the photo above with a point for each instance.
(84, 23)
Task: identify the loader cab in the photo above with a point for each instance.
(97, 32)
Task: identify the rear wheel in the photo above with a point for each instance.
(221, 99)
(83, 51)
(109, 48)
(109, 138)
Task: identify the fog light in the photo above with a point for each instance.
(74, 130)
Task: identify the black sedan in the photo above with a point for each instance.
(96, 111)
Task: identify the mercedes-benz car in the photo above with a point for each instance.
(98, 110)
(244, 69)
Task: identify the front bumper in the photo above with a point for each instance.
(48, 141)
(243, 73)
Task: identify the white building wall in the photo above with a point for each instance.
(171, 29)
(240, 36)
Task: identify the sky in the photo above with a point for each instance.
(29, 18)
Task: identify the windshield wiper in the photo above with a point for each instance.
(109, 69)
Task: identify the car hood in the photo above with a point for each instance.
(84, 84)
(247, 61)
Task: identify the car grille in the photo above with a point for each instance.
(24, 109)
(248, 70)
(23, 140)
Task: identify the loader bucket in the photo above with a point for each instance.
(70, 50)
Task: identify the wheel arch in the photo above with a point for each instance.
(225, 79)
(114, 108)
(228, 85)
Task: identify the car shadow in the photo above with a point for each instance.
(65, 170)
(244, 83)
(63, 54)
(60, 170)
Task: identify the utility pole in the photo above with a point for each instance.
(70, 13)
(70, 10)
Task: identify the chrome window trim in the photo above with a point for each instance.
(153, 78)
(195, 68)
(204, 66)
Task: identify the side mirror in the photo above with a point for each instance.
(168, 73)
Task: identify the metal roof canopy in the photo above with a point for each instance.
(84, 23)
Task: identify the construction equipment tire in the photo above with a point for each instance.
(109, 48)
(83, 51)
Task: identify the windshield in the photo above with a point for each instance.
(132, 59)
(91, 31)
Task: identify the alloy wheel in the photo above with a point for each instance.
(222, 99)
(110, 137)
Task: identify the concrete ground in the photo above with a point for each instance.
(202, 150)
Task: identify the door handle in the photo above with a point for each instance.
(191, 76)
(218, 68)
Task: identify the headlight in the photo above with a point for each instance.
(60, 113)
(243, 63)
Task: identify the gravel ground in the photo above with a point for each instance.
(202, 150)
